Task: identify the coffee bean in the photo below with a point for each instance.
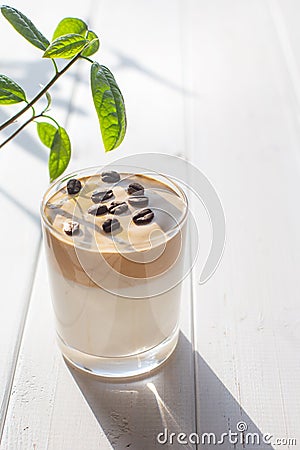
(73, 186)
(118, 207)
(135, 189)
(138, 201)
(143, 216)
(111, 225)
(71, 228)
(110, 177)
(98, 210)
(102, 196)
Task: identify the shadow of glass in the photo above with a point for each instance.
(218, 412)
(133, 413)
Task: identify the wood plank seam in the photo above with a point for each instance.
(188, 145)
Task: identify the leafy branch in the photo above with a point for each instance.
(71, 40)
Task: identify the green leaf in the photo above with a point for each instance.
(70, 25)
(109, 104)
(60, 153)
(10, 91)
(46, 133)
(58, 141)
(25, 27)
(93, 46)
(65, 46)
(49, 101)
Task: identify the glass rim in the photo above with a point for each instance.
(91, 171)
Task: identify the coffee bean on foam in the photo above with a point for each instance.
(101, 196)
(118, 207)
(111, 225)
(138, 201)
(98, 210)
(71, 228)
(143, 216)
(135, 189)
(110, 176)
(73, 186)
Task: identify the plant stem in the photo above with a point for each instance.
(55, 66)
(49, 117)
(33, 110)
(88, 59)
(18, 130)
(39, 95)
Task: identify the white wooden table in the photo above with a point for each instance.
(218, 83)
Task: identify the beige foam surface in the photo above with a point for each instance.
(167, 205)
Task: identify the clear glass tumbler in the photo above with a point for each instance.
(116, 303)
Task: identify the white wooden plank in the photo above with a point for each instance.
(23, 174)
(96, 414)
(247, 142)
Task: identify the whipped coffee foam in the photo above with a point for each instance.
(167, 206)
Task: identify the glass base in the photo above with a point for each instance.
(121, 367)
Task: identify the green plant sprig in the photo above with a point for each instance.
(71, 40)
